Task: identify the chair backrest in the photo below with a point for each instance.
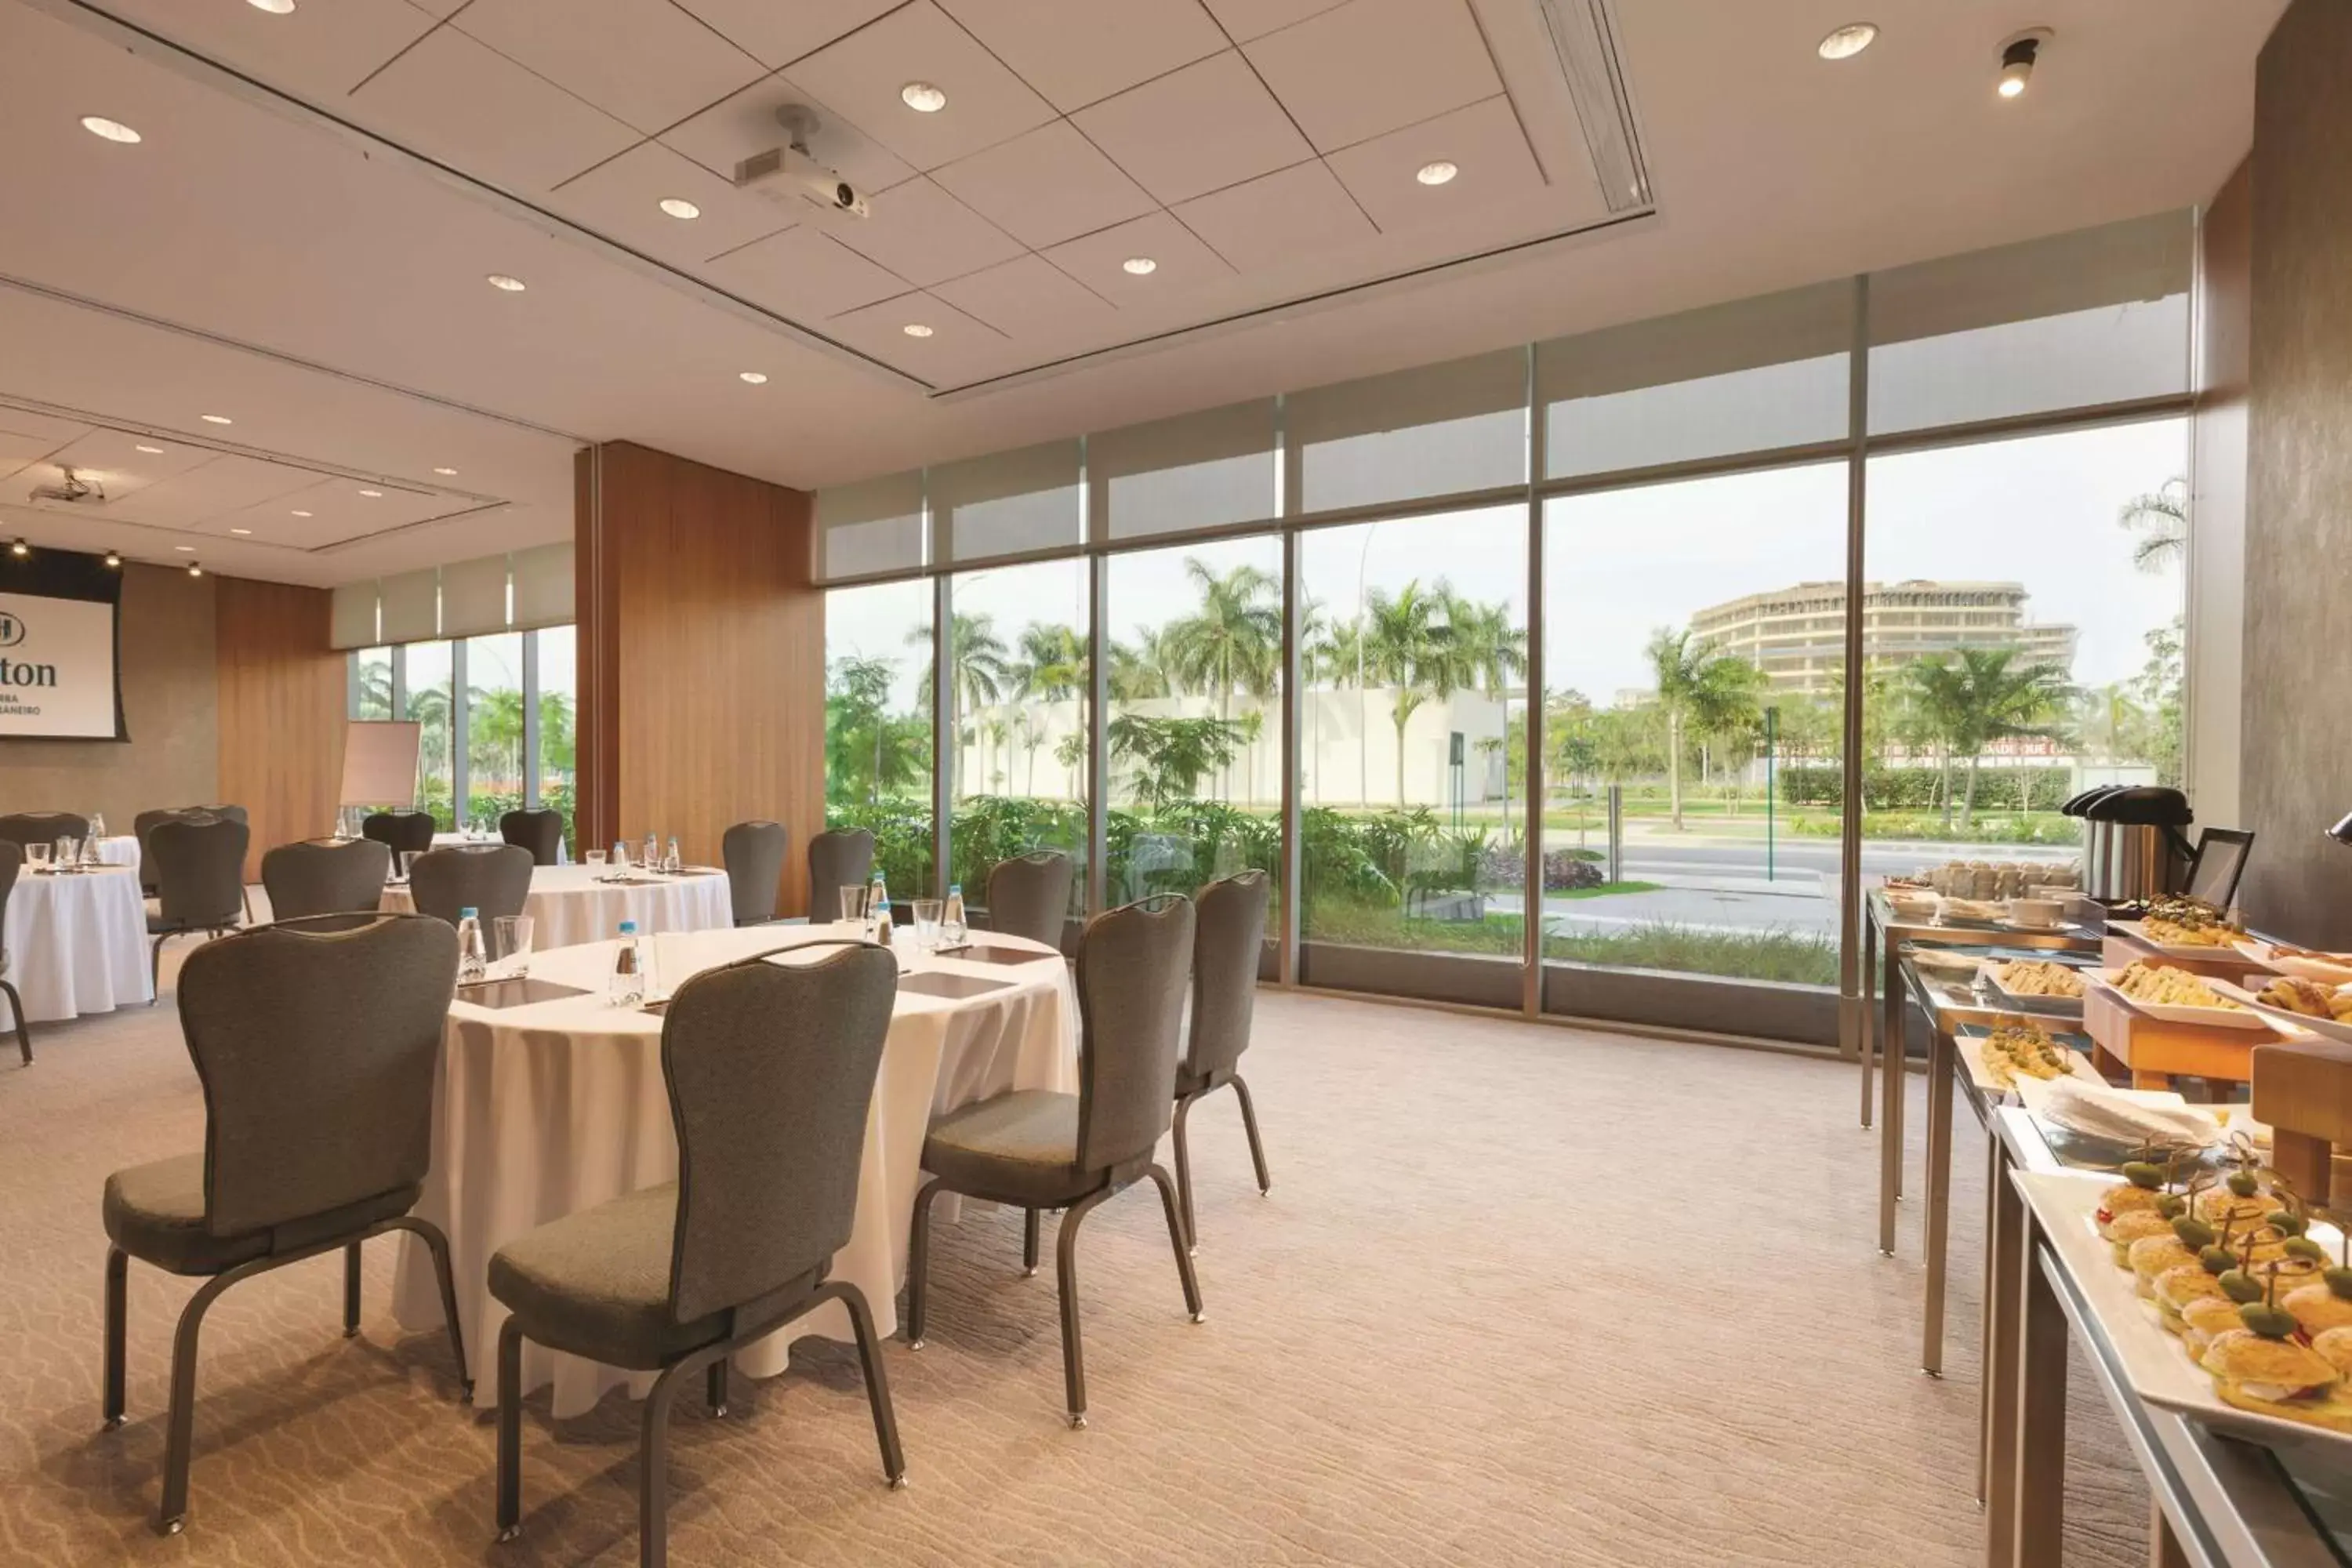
(770, 1068)
(1131, 966)
(144, 827)
(316, 1051)
(234, 813)
(755, 855)
(1227, 945)
(42, 826)
(199, 868)
(324, 877)
(836, 860)
(1029, 896)
(539, 831)
(409, 832)
(492, 881)
(12, 861)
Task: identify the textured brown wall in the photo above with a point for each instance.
(169, 707)
(2298, 647)
(283, 701)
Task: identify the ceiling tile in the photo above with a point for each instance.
(959, 349)
(1247, 19)
(643, 62)
(925, 235)
(228, 483)
(313, 49)
(1483, 141)
(1098, 260)
(1032, 300)
(1079, 51)
(1197, 129)
(111, 460)
(781, 34)
(621, 200)
(339, 514)
(464, 102)
(726, 133)
(861, 76)
(1278, 218)
(19, 447)
(1371, 65)
(803, 274)
(1047, 186)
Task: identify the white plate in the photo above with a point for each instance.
(2316, 969)
(2292, 1022)
(2156, 1362)
(2030, 1002)
(1972, 1057)
(2173, 1013)
(2137, 931)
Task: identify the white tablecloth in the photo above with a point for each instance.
(119, 849)
(463, 840)
(77, 944)
(568, 906)
(545, 1110)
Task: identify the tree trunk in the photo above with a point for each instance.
(1675, 767)
(1401, 722)
(1969, 802)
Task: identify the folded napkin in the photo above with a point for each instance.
(2120, 1115)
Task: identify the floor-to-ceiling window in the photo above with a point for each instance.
(555, 696)
(494, 726)
(877, 726)
(371, 683)
(428, 691)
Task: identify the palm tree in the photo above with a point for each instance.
(1235, 641)
(1052, 668)
(1489, 653)
(494, 735)
(1408, 643)
(1137, 674)
(979, 670)
(2161, 519)
(1977, 696)
(1677, 667)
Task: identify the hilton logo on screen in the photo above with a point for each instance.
(12, 630)
(16, 672)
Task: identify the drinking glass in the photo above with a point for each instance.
(514, 944)
(408, 862)
(853, 904)
(68, 852)
(620, 861)
(90, 855)
(927, 925)
(37, 856)
(595, 859)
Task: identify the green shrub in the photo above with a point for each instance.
(1919, 788)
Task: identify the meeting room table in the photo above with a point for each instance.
(547, 1107)
(569, 905)
(77, 942)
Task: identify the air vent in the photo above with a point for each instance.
(1585, 38)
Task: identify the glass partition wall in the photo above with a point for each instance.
(1591, 678)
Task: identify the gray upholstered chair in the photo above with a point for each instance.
(316, 1051)
(12, 861)
(770, 1068)
(1034, 1150)
(493, 880)
(144, 827)
(402, 832)
(22, 827)
(199, 881)
(1226, 949)
(755, 855)
(324, 877)
(1029, 896)
(837, 860)
(541, 831)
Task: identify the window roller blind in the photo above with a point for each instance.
(411, 606)
(1023, 503)
(870, 529)
(543, 586)
(1187, 475)
(1431, 431)
(473, 596)
(352, 619)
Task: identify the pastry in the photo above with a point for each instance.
(2270, 1376)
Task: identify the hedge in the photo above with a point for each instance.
(1918, 789)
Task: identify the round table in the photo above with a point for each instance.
(77, 942)
(555, 1106)
(462, 840)
(568, 905)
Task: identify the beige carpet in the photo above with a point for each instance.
(1520, 1296)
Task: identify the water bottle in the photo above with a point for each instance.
(473, 959)
(952, 930)
(627, 987)
(877, 910)
(671, 861)
(97, 826)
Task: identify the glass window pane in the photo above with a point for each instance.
(2022, 629)
(1195, 732)
(1415, 658)
(428, 704)
(493, 726)
(877, 729)
(1018, 716)
(1694, 664)
(371, 683)
(559, 684)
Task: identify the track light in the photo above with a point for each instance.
(195, 568)
(2017, 58)
(113, 559)
(20, 550)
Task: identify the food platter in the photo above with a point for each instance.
(2030, 1001)
(2158, 1365)
(2307, 966)
(2137, 931)
(1969, 1040)
(2239, 1018)
(2288, 1020)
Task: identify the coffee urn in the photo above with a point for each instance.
(2138, 850)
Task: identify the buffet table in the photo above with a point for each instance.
(77, 942)
(569, 905)
(554, 1105)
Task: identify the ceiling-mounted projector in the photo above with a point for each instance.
(75, 490)
(789, 174)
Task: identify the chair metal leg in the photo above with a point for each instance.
(715, 1389)
(437, 1245)
(1176, 1239)
(1190, 1241)
(1249, 1125)
(918, 1259)
(877, 1380)
(179, 1436)
(117, 1287)
(1065, 1254)
(155, 971)
(352, 1291)
(510, 1430)
(24, 1029)
(1029, 1242)
(653, 1479)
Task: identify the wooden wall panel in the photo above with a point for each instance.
(282, 697)
(702, 657)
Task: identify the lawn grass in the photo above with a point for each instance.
(1774, 952)
(1607, 889)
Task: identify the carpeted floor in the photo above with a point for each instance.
(1520, 1296)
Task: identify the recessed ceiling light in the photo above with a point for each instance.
(143, 446)
(499, 281)
(195, 569)
(112, 129)
(916, 330)
(679, 207)
(1142, 266)
(372, 495)
(185, 549)
(1849, 41)
(248, 530)
(446, 473)
(215, 418)
(301, 514)
(2017, 58)
(923, 98)
(1436, 173)
(275, 7)
(756, 377)
(20, 550)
